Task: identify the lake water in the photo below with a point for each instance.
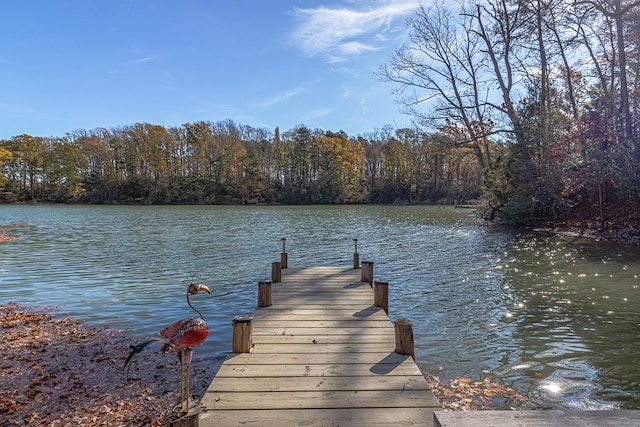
(556, 318)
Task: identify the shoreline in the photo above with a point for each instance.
(58, 371)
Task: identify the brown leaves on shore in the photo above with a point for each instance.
(58, 372)
(464, 394)
(7, 238)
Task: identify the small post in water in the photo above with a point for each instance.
(404, 337)
(276, 272)
(264, 293)
(242, 333)
(283, 255)
(381, 295)
(356, 256)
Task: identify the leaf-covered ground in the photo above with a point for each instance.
(465, 394)
(58, 372)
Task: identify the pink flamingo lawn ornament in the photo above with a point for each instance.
(182, 336)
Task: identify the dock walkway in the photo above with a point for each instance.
(323, 355)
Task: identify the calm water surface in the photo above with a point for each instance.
(557, 319)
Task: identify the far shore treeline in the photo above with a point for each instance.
(531, 107)
(228, 163)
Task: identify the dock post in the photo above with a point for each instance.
(242, 333)
(366, 275)
(283, 256)
(356, 255)
(276, 272)
(404, 337)
(264, 293)
(381, 295)
(174, 420)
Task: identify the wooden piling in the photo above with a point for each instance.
(381, 295)
(242, 333)
(366, 275)
(276, 272)
(175, 420)
(404, 337)
(264, 293)
(356, 255)
(283, 256)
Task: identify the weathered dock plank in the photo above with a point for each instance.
(293, 330)
(335, 417)
(353, 383)
(328, 399)
(323, 355)
(306, 358)
(315, 370)
(546, 418)
(333, 339)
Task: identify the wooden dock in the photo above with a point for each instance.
(323, 355)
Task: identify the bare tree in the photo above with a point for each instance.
(445, 68)
(617, 11)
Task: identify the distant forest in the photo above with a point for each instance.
(229, 163)
(531, 106)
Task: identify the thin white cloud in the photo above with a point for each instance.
(337, 33)
(315, 114)
(144, 59)
(18, 109)
(281, 97)
(350, 48)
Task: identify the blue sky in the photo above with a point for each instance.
(80, 64)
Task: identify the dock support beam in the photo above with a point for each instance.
(404, 337)
(242, 333)
(366, 275)
(381, 295)
(264, 293)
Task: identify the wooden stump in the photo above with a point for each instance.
(366, 275)
(242, 333)
(381, 295)
(264, 293)
(356, 261)
(175, 420)
(276, 272)
(404, 336)
(284, 260)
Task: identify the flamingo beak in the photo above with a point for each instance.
(194, 288)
